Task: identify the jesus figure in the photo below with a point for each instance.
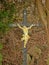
(26, 36)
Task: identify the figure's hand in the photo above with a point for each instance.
(30, 26)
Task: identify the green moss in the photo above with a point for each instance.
(0, 63)
(1, 46)
(4, 27)
(6, 17)
(1, 57)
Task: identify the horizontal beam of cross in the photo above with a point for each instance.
(15, 25)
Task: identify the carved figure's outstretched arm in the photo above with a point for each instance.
(19, 26)
(30, 26)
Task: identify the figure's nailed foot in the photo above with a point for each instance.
(25, 43)
(24, 46)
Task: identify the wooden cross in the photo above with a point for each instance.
(24, 26)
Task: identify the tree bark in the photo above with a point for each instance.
(42, 16)
(47, 9)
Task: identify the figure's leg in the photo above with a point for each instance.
(25, 42)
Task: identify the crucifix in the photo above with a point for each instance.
(24, 26)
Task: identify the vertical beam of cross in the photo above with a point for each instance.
(24, 23)
(24, 17)
(24, 56)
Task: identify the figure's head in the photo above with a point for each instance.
(24, 26)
